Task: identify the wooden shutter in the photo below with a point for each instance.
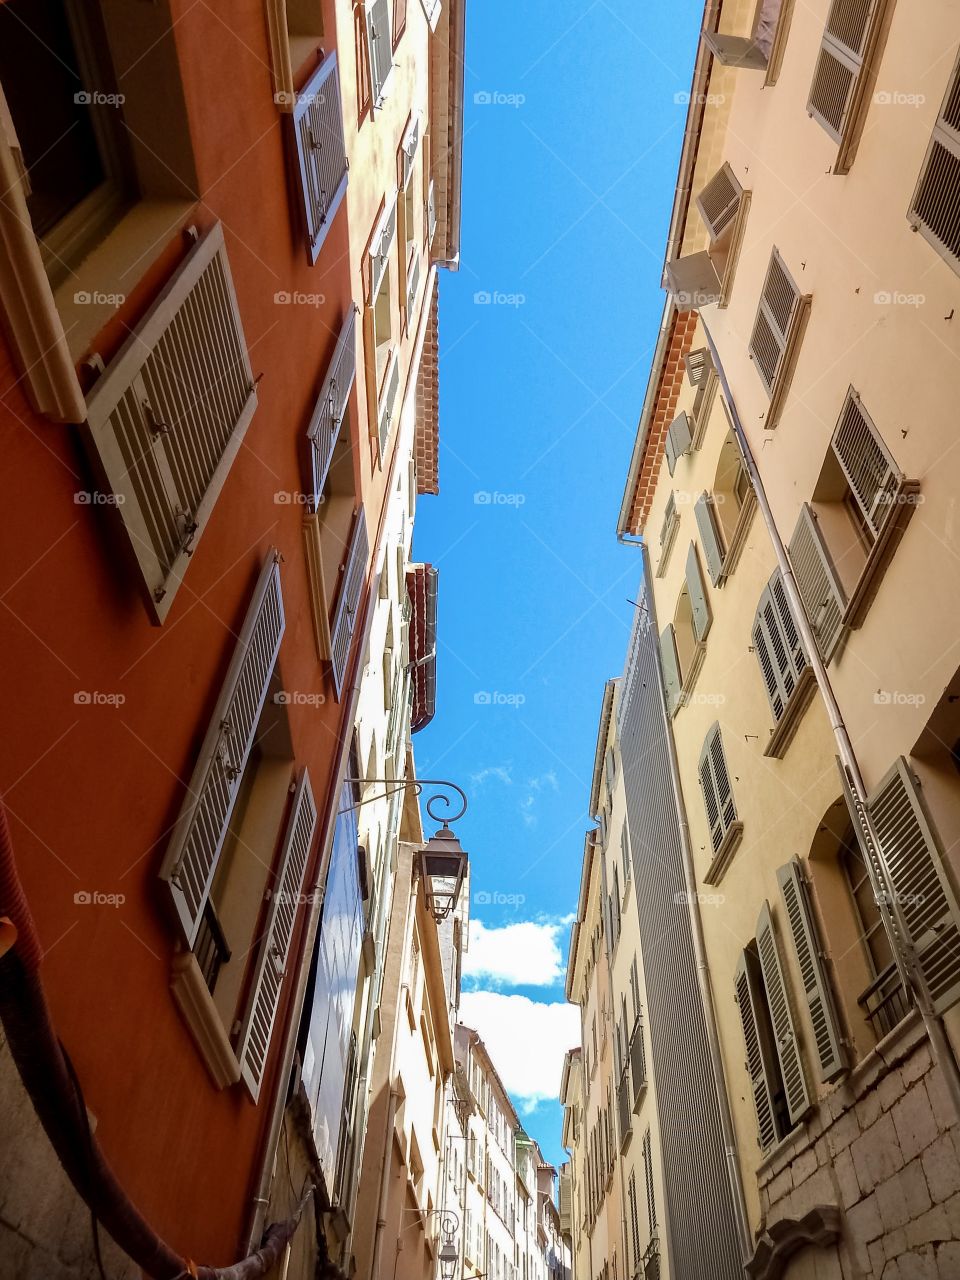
(758, 1064)
(379, 46)
(381, 243)
(670, 666)
(918, 878)
(935, 208)
(719, 201)
(679, 436)
(274, 952)
(648, 1179)
(166, 418)
(784, 1031)
(819, 587)
(699, 605)
(839, 64)
(191, 857)
(348, 600)
(779, 306)
(331, 407)
(317, 123)
(388, 400)
(777, 644)
(717, 792)
(709, 536)
(870, 471)
(817, 988)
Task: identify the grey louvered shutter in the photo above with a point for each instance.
(331, 407)
(779, 304)
(709, 536)
(719, 201)
(168, 415)
(699, 605)
(272, 958)
(784, 1031)
(817, 988)
(871, 472)
(648, 1180)
(715, 782)
(823, 597)
(317, 123)
(379, 45)
(697, 363)
(759, 1067)
(918, 878)
(778, 646)
(679, 436)
(670, 665)
(348, 600)
(735, 51)
(839, 63)
(191, 858)
(933, 210)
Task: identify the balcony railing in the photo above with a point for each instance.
(638, 1064)
(651, 1261)
(885, 1002)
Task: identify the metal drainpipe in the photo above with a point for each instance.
(734, 1172)
(891, 914)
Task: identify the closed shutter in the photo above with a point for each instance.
(274, 953)
(167, 417)
(759, 1067)
(779, 307)
(670, 665)
(648, 1179)
(823, 597)
(388, 401)
(668, 531)
(331, 407)
(817, 988)
(191, 858)
(918, 878)
(719, 201)
(379, 46)
(717, 792)
(839, 63)
(699, 605)
(679, 436)
(778, 646)
(317, 123)
(784, 1032)
(348, 600)
(935, 208)
(870, 471)
(709, 536)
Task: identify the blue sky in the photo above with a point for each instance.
(571, 141)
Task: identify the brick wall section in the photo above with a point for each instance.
(427, 442)
(884, 1147)
(670, 380)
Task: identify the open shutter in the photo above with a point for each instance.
(408, 147)
(719, 200)
(697, 363)
(816, 981)
(933, 210)
(648, 1180)
(191, 857)
(331, 406)
(709, 536)
(271, 966)
(379, 46)
(670, 665)
(388, 401)
(871, 472)
(166, 418)
(779, 305)
(778, 645)
(758, 1065)
(381, 242)
(924, 894)
(317, 123)
(839, 63)
(692, 280)
(823, 597)
(679, 436)
(735, 51)
(784, 1031)
(699, 605)
(348, 600)
(717, 792)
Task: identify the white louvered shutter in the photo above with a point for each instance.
(697, 363)
(191, 858)
(823, 597)
(719, 201)
(273, 956)
(779, 306)
(317, 123)
(935, 208)
(408, 147)
(817, 988)
(670, 665)
(413, 283)
(709, 536)
(347, 605)
(166, 418)
(784, 1031)
(759, 1067)
(331, 407)
(699, 605)
(778, 646)
(679, 437)
(381, 243)
(840, 63)
(919, 879)
(388, 401)
(870, 471)
(715, 783)
(379, 45)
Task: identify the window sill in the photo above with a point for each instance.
(203, 1021)
(724, 855)
(782, 734)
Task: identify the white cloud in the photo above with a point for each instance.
(523, 954)
(500, 772)
(544, 782)
(526, 1040)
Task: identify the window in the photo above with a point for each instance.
(762, 49)
(723, 206)
(787, 676)
(379, 46)
(678, 440)
(776, 335)
(682, 642)
(725, 829)
(317, 124)
(724, 515)
(934, 207)
(295, 30)
(668, 533)
(702, 375)
(837, 95)
(409, 204)
(381, 328)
